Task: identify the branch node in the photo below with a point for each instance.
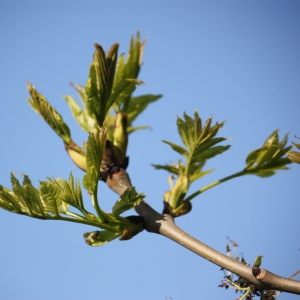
(256, 271)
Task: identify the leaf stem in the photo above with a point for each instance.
(95, 203)
(207, 187)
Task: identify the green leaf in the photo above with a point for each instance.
(266, 160)
(127, 70)
(50, 193)
(207, 144)
(29, 195)
(81, 91)
(40, 104)
(197, 175)
(111, 59)
(80, 115)
(179, 190)
(176, 148)
(135, 128)
(99, 238)
(294, 156)
(184, 132)
(100, 81)
(121, 93)
(127, 201)
(71, 193)
(94, 153)
(257, 261)
(210, 153)
(138, 104)
(297, 145)
(176, 169)
(9, 201)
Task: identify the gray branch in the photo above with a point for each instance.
(164, 224)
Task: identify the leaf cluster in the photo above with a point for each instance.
(268, 159)
(106, 100)
(59, 199)
(107, 112)
(200, 144)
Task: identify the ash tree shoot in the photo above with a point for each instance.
(107, 112)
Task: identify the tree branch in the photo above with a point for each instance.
(164, 224)
(262, 279)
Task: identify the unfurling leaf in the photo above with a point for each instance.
(127, 201)
(40, 104)
(179, 190)
(257, 261)
(81, 116)
(94, 153)
(120, 135)
(99, 238)
(268, 159)
(200, 145)
(184, 208)
(138, 104)
(294, 155)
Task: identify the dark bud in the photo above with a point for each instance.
(255, 271)
(135, 219)
(167, 209)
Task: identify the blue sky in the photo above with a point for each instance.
(235, 60)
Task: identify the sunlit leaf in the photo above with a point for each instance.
(40, 104)
(99, 238)
(169, 168)
(94, 153)
(127, 201)
(50, 193)
(294, 156)
(266, 160)
(9, 201)
(197, 175)
(184, 133)
(29, 194)
(135, 128)
(138, 104)
(80, 114)
(179, 190)
(210, 153)
(177, 148)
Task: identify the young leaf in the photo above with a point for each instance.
(32, 197)
(179, 190)
(94, 153)
(9, 201)
(199, 144)
(120, 135)
(138, 104)
(99, 238)
(177, 148)
(170, 168)
(266, 160)
(80, 115)
(127, 201)
(40, 104)
(294, 155)
(50, 193)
